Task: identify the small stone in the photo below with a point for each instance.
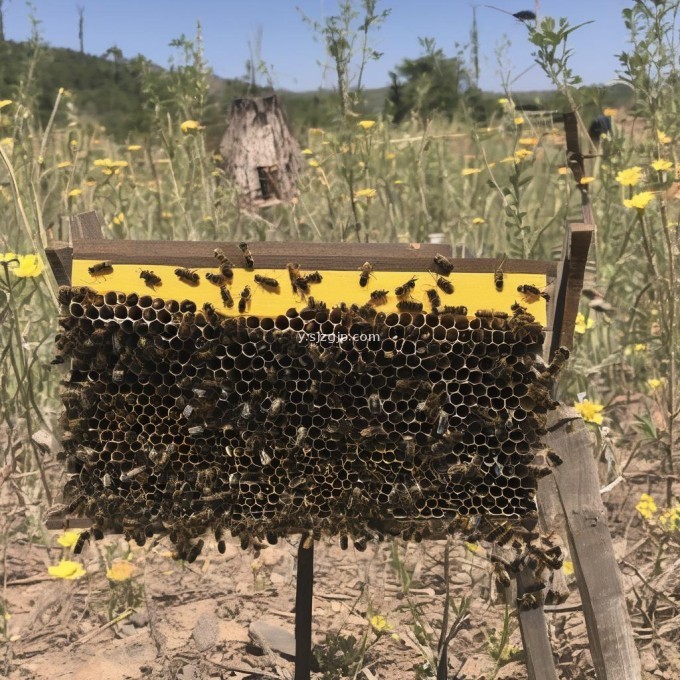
(278, 638)
(205, 632)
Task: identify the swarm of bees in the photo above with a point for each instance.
(240, 425)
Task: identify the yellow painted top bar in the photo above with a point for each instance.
(475, 291)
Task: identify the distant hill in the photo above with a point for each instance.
(108, 90)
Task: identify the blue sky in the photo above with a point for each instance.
(147, 26)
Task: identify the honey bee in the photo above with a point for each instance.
(528, 601)
(150, 278)
(433, 297)
(498, 275)
(314, 305)
(293, 271)
(250, 262)
(405, 289)
(379, 297)
(374, 404)
(367, 312)
(461, 310)
(559, 359)
(360, 544)
(554, 458)
(409, 306)
(244, 300)
(187, 275)
(301, 284)
(267, 282)
(80, 542)
(217, 279)
(443, 284)
(501, 573)
(443, 264)
(225, 265)
(551, 557)
(100, 268)
(211, 314)
(315, 277)
(531, 293)
(185, 326)
(466, 471)
(500, 534)
(366, 269)
(227, 300)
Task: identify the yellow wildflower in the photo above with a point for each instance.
(661, 165)
(110, 167)
(478, 220)
(582, 325)
(670, 519)
(586, 180)
(119, 218)
(7, 142)
(4, 103)
(366, 124)
(568, 568)
(470, 171)
(521, 154)
(655, 383)
(503, 101)
(68, 539)
(121, 570)
(646, 506)
(609, 111)
(74, 192)
(663, 137)
(190, 126)
(65, 164)
(630, 177)
(134, 147)
(380, 625)
(398, 181)
(67, 569)
(390, 156)
(166, 215)
(8, 257)
(639, 201)
(307, 152)
(529, 141)
(91, 182)
(365, 193)
(563, 170)
(29, 266)
(518, 120)
(472, 547)
(313, 163)
(640, 347)
(590, 411)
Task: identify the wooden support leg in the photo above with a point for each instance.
(303, 610)
(597, 572)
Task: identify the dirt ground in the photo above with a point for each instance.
(196, 621)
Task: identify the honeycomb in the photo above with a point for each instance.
(343, 422)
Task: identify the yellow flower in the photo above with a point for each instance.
(503, 101)
(660, 165)
(518, 120)
(91, 182)
(562, 170)
(590, 411)
(166, 215)
(365, 193)
(313, 163)
(670, 519)
(609, 111)
(110, 167)
(472, 547)
(366, 124)
(121, 570)
(380, 625)
(630, 176)
(640, 347)
(119, 218)
(74, 192)
(307, 152)
(521, 154)
(190, 126)
(134, 147)
(586, 180)
(663, 137)
(65, 164)
(29, 266)
(529, 141)
(398, 181)
(470, 171)
(68, 539)
(581, 325)
(568, 568)
(4, 103)
(67, 569)
(646, 506)
(8, 257)
(7, 142)
(639, 201)
(478, 220)
(655, 383)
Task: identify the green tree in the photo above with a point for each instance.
(433, 83)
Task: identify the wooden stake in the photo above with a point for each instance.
(303, 610)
